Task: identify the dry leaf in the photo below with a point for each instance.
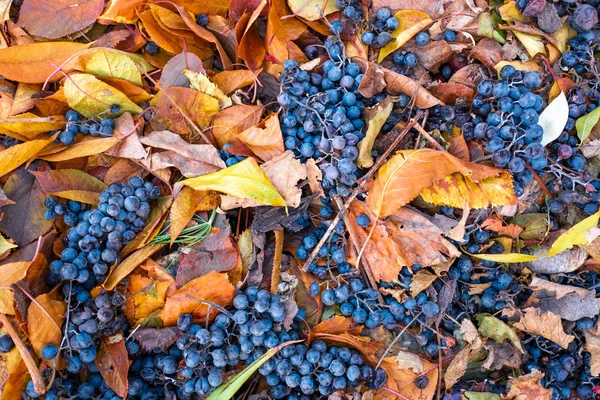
(113, 363)
(528, 387)
(544, 324)
(232, 121)
(375, 116)
(265, 139)
(592, 345)
(45, 317)
(71, 184)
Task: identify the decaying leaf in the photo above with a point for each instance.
(376, 117)
(545, 324)
(458, 365)
(492, 327)
(592, 345)
(113, 363)
(528, 387)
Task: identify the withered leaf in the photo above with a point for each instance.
(545, 324)
(113, 362)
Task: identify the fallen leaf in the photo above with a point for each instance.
(569, 302)
(409, 172)
(71, 184)
(74, 16)
(173, 75)
(24, 221)
(495, 224)
(501, 355)
(15, 156)
(113, 363)
(544, 324)
(200, 82)
(36, 62)
(584, 125)
(186, 204)
(121, 11)
(312, 10)
(373, 81)
(242, 180)
(561, 263)
(375, 116)
(281, 31)
(86, 146)
(192, 298)
(28, 126)
(506, 257)
(402, 380)
(109, 63)
(147, 296)
(151, 338)
(265, 139)
(458, 365)
(230, 122)
(12, 273)
(45, 317)
(411, 22)
(335, 325)
(493, 328)
(408, 360)
(528, 387)
(90, 96)
(592, 345)
(230, 81)
(576, 235)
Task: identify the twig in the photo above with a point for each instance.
(360, 185)
(36, 377)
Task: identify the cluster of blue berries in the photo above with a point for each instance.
(97, 235)
(377, 33)
(76, 125)
(321, 115)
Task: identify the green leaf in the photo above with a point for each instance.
(574, 236)
(535, 225)
(586, 123)
(493, 328)
(244, 180)
(554, 118)
(90, 96)
(480, 396)
(506, 258)
(228, 389)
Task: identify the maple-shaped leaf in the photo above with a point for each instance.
(408, 173)
(280, 31)
(528, 387)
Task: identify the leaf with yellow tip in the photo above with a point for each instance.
(201, 83)
(577, 235)
(562, 35)
(532, 43)
(506, 258)
(244, 180)
(376, 117)
(410, 22)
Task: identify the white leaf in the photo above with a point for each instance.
(554, 118)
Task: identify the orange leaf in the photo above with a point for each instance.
(121, 11)
(335, 325)
(132, 91)
(402, 380)
(45, 317)
(409, 172)
(128, 265)
(280, 31)
(86, 146)
(361, 343)
(230, 122)
(33, 63)
(265, 139)
(148, 295)
(13, 385)
(230, 81)
(185, 206)
(113, 363)
(11, 273)
(73, 14)
(14, 156)
(71, 184)
(213, 287)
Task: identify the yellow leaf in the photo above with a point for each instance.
(148, 295)
(265, 140)
(510, 13)
(187, 202)
(84, 147)
(411, 22)
(5, 245)
(110, 64)
(311, 10)
(112, 57)
(376, 116)
(456, 189)
(11, 273)
(506, 257)
(90, 96)
(245, 180)
(201, 83)
(28, 126)
(13, 157)
(574, 236)
(128, 265)
(521, 66)
(562, 35)
(532, 43)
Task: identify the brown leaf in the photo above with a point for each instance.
(570, 302)
(191, 159)
(488, 51)
(45, 317)
(592, 345)
(528, 387)
(251, 48)
(373, 81)
(151, 338)
(172, 74)
(409, 172)
(566, 261)
(215, 253)
(74, 16)
(265, 139)
(449, 92)
(500, 355)
(192, 297)
(71, 184)
(284, 172)
(495, 224)
(459, 148)
(458, 365)
(406, 238)
(130, 145)
(232, 121)
(24, 221)
(113, 363)
(397, 84)
(433, 54)
(545, 324)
